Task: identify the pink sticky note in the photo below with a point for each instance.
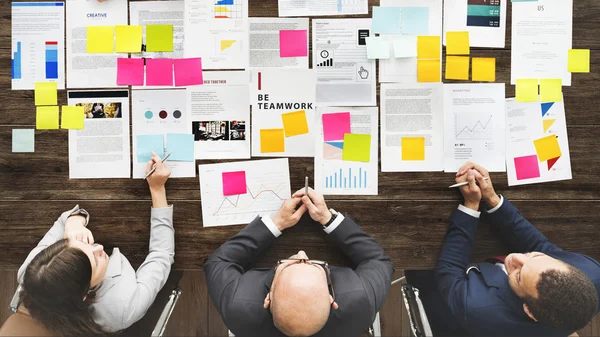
(527, 167)
(188, 71)
(292, 43)
(130, 71)
(234, 183)
(335, 125)
(159, 72)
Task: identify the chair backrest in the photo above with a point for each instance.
(419, 324)
(22, 324)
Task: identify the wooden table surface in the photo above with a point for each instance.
(408, 218)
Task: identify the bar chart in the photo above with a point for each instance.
(51, 59)
(16, 62)
(346, 178)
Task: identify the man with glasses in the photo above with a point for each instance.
(299, 296)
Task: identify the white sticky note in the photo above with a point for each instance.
(405, 46)
(378, 48)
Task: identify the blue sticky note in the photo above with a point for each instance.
(146, 144)
(415, 20)
(23, 140)
(386, 20)
(181, 146)
(378, 47)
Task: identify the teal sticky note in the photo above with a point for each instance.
(386, 20)
(23, 140)
(415, 20)
(181, 146)
(146, 144)
(378, 48)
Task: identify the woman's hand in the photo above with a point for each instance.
(157, 181)
(75, 230)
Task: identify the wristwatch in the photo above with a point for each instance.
(334, 215)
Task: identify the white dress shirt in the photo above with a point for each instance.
(276, 232)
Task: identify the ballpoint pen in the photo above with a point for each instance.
(154, 166)
(464, 183)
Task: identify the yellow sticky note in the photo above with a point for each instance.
(357, 147)
(579, 61)
(457, 43)
(413, 148)
(100, 39)
(547, 148)
(129, 39)
(46, 118)
(46, 93)
(551, 90)
(484, 69)
(72, 117)
(294, 123)
(159, 38)
(428, 47)
(271, 140)
(428, 71)
(457, 68)
(527, 90)
(548, 124)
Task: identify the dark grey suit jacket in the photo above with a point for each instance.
(239, 294)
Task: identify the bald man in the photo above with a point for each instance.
(299, 296)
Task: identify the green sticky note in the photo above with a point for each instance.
(45, 93)
(46, 118)
(100, 39)
(23, 140)
(159, 38)
(357, 148)
(72, 117)
(129, 39)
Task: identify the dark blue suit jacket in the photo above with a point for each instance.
(479, 295)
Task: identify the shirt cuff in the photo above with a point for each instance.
(497, 206)
(338, 220)
(469, 211)
(271, 225)
(81, 212)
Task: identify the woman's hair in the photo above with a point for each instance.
(55, 284)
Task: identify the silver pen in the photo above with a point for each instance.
(154, 167)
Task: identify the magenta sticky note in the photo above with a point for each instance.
(292, 43)
(130, 71)
(335, 125)
(159, 72)
(234, 183)
(188, 71)
(527, 167)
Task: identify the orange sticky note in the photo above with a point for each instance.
(272, 140)
(428, 71)
(547, 148)
(551, 90)
(294, 123)
(457, 68)
(413, 148)
(457, 43)
(484, 69)
(429, 47)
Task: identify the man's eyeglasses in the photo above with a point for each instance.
(319, 263)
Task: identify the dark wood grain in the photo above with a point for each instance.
(8, 286)
(190, 316)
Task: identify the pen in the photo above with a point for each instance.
(154, 167)
(464, 183)
(306, 186)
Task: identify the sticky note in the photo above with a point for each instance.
(130, 71)
(484, 69)
(527, 90)
(415, 20)
(527, 167)
(335, 125)
(159, 38)
(159, 72)
(428, 47)
(188, 71)
(547, 148)
(129, 39)
(357, 147)
(100, 39)
(428, 71)
(293, 43)
(378, 47)
(405, 46)
(457, 43)
(181, 146)
(548, 124)
(551, 90)
(579, 61)
(234, 183)
(457, 68)
(413, 148)
(72, 117)
(294, 123)
(272, 140)
(46, 93)
(386, 20)
(146, 144)
(23, 140)
(46, 118)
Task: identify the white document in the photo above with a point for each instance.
(486, 23)
(264, 42)
(217, 31)
(38, 44)
(160, 112)
(91, 70)
(322, 7)
(412, 110)
(220, 115)
(474, 126)
(345, 77)
(276, 92)
(101, 149)
(542, 34)
(404, 70)
(267, 186)
(524, 125)
(334, 176)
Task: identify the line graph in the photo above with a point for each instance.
(254, 198)
(473, 125)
